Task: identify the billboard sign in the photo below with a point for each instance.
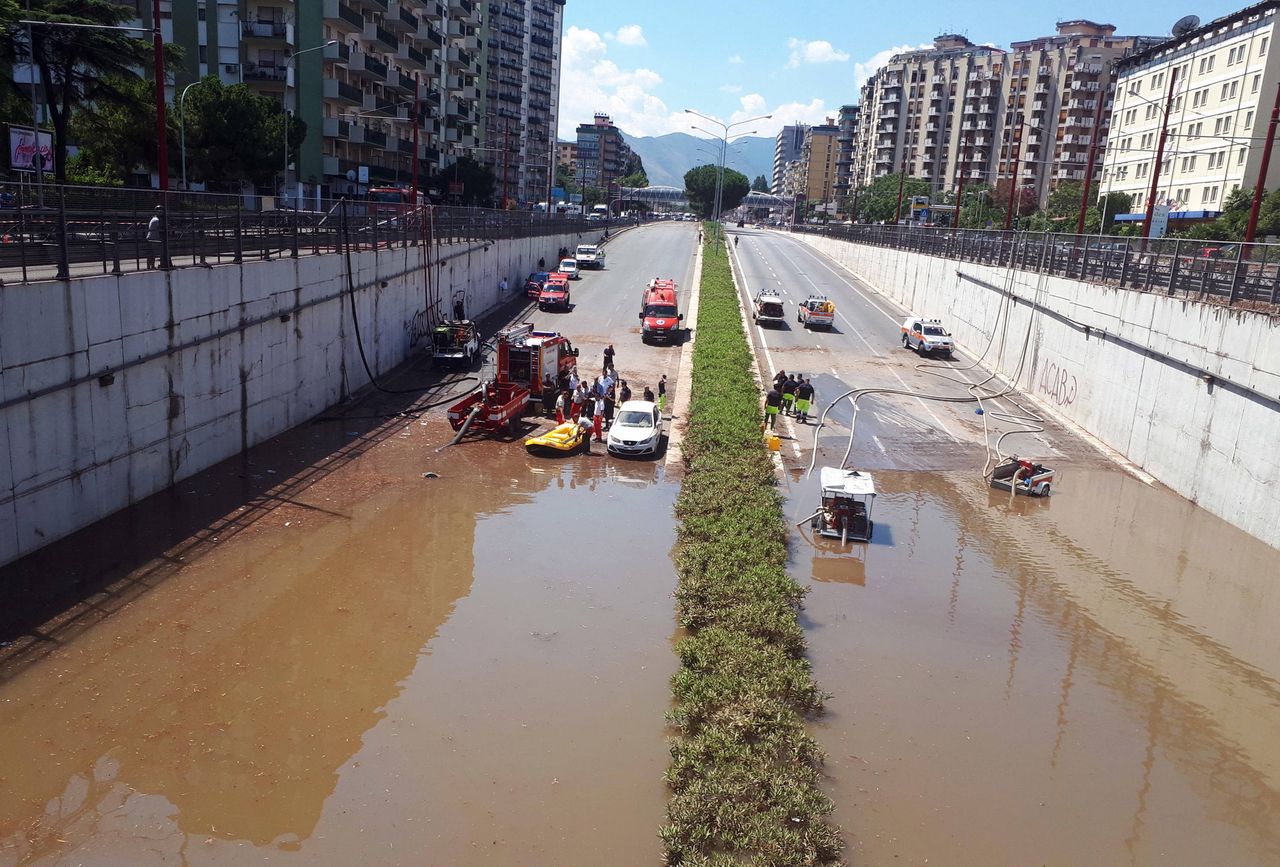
(1159, 221)
(23, 147)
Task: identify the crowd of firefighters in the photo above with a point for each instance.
(591, 405)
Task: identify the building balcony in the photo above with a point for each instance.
(366, 67)
(336, 127)
(411, 57)
(400, 81)
(340, 91)
(377, 34)
(339, 53)
(458, 59)
(342, 17)
(428, 35)
(266, 74)
(337, 167)
(272, 31)
(400, 19)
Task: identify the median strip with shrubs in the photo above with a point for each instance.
(745, 774)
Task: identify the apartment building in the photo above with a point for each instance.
(522, 91)
(356, 96)
(567, 156)
(819, 157)
(958, 108)
(1224, 77)
(602, 153)
(787, 147)
(847, 120)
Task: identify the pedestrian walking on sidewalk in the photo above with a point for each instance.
(155, 235)
(662, 394)
(772, 404)
(608, 357)
(502, 287)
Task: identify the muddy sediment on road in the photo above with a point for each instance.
(368, 665)
(1092, 678)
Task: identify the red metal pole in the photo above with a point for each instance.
(1088, 171)
(1155, 174)
(413, 202)
(162, 143)
(1260, 187)
(902, 178)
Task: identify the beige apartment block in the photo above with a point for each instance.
(819, 157)
(1224, 76)
(985, 113)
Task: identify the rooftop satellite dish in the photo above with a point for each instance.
(1186, 24)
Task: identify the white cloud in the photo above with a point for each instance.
(591, 82)
(817, 51)
(735, 59)
(864, 69)
(629, 34)
(753, 105)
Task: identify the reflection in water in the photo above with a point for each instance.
(1027, 666)
(271, 697)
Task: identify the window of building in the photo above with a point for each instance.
(1189, 164)
(1226, 91)
(1137, 200)
(1257, 83)
(1240, 157)
(1248, 120)
(1262, 46)
(1177, 104)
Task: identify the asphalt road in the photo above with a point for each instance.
(864, 349)
(605, 305)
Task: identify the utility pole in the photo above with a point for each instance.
(1155, 173)
(162, 144)
(1260, 187)
(902, 179)
(413, 200)
(1093, 155)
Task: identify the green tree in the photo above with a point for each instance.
(980, 209)
(636, 179)
(477, 181)
(118, 137)
(700, 186)
(879, 200)
(78, 65)
(235, 134)
(760, 185)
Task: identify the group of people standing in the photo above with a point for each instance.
(591, 405)
(791, 395)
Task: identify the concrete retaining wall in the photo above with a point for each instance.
(1189, 392)
(114, 388)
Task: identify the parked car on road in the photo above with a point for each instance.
(926, 336)
(637, 430)
(533, 285)
(570, 267)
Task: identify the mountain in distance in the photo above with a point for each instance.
(668, 157)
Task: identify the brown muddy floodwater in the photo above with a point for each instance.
(1090, 679)
(380, 669)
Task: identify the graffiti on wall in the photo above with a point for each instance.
(418, 327)
(1058, 384)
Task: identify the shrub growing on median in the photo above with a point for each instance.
(745, 774)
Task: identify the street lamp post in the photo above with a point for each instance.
(182, 129)
(724, 144)
(284, 180)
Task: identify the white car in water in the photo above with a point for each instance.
(637, 429)
(570, 267)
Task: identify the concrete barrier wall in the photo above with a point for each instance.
(114, 388)
(1189, 392)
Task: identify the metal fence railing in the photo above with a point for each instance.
(67, 231)
(1227, 271)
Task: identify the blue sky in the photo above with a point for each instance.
(645, 61)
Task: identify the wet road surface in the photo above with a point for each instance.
(357, 664)
(1093, 678)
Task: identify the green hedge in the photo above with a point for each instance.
(745, 774)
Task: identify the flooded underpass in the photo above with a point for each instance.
(1085, 679)
(381, 667)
